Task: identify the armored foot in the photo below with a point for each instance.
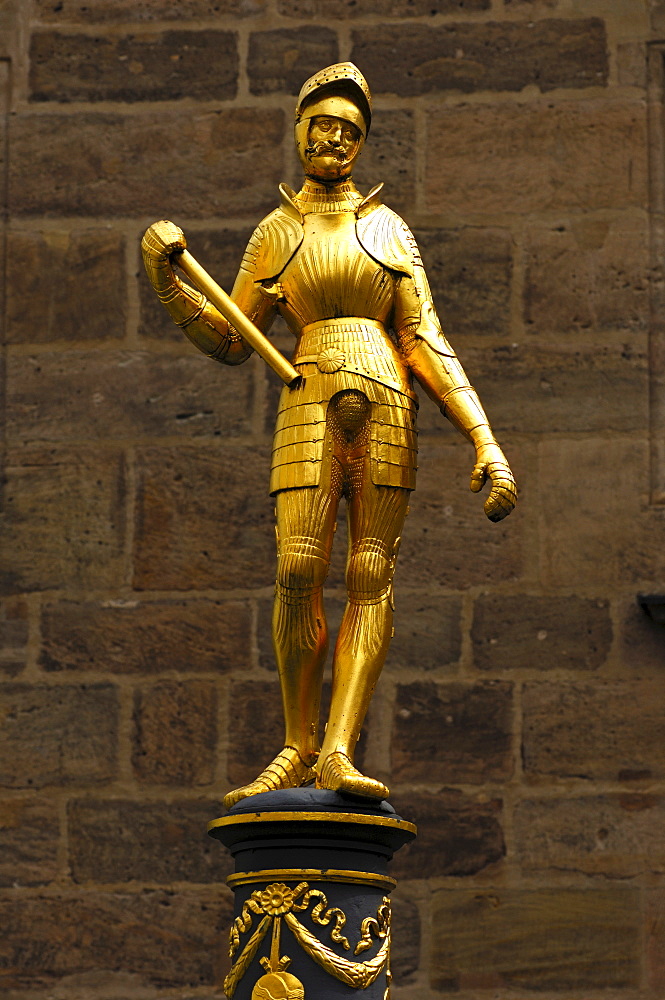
(339, 775)
(287, 770)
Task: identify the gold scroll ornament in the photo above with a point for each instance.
(279, 902)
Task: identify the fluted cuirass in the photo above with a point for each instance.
(332, 276)
(338, 301)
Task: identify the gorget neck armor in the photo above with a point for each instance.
(316, 197)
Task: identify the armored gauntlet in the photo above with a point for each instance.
(188, 308)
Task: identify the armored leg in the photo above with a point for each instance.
(306, 526)
(376, 515)
(305, 529)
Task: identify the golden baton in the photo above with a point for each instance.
(230, 311)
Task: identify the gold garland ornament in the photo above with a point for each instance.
(279, 902)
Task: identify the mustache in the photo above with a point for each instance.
(323, 148)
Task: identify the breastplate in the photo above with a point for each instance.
(331, 276)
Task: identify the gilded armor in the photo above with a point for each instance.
(345, 273)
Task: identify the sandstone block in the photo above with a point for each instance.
(216, 163)
(150, 637)
(590, 275)
(427, 633)
(566, 730)
(452, 732)
(255, 728)
(64, 519)
(641, 641)
(657, 11)
(470, 273)
(118, 840)
(204, 519)
(128, 11)
(457, 834)
(280, 61)
(64, 285)
(405, 942)
(540, 633)
(535, 940)
(13, 636)
(381, 8)
(487, 160)
(10, 27)
(29, 833)
(632, 64)
(619, 836)
(102, 395)
(58, 735)
(640, 555)
(655, 939)
(610, 491)
(220, 252)
(175, 733)
(413, 59)
(159, 938)
(11, 664)
(554, 385)
(13, 632)
(388, 157)
(446, 525)
(159, 67)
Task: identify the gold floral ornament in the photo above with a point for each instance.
(277, 899)
(331, 360)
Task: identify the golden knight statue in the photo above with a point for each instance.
(345, 273)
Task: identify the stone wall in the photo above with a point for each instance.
(519, 721)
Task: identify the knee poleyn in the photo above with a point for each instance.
(302, 566)
(369, 571)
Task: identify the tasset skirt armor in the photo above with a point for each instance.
(335, 355)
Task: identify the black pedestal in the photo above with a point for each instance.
(312, 913)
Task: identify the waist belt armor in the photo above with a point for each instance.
(342, 354)
(356, 345)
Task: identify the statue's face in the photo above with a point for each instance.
(332, 147)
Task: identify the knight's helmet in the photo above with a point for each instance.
(339, 90)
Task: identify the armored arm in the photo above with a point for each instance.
(426, 351)
(437, 368)
(201, 322)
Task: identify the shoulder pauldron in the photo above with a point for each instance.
(275, 240)
(385, 236)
